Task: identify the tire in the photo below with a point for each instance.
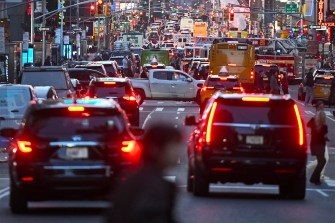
(295, 189)
(17, 200)
(189, 185)
(200, 183)
(140, 96)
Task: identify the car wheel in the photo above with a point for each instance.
(200, 183)
(295, 189)
(17, 200)
(190, 183)
(140, 96)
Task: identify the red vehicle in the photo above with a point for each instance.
(286, 63)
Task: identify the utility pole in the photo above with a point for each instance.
(78, 32)
(98, 48)
(43, 25)
(32, 22)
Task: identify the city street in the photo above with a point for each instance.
(227, 203)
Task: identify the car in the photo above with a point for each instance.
(85, 75)
(322, 81)
(227, 84)
(46, 92)
(248, 138)
(94, 66)
(120, 90)
(58, 77)
(119, 62)
(69, 150)
(110, 66)
(14, 100)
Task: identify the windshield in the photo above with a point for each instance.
(45, 78)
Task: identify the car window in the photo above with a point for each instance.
(14, 97)
(223, 84)
(255, 113)
(46, 78)
(179, 76)
(162, 75)
(323, 81)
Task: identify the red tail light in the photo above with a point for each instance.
(256, 99)
(238, 88)
(129, 146)
(24, 146)
(301, 130)
(210, 123)
(27, 179)
(207, 88)
(129, 98)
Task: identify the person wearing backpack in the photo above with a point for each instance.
(309, 84)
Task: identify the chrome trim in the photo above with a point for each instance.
(75, 167)
(253, 126)
(73, 144)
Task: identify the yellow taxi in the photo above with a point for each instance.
(229, 84)
(322, 85)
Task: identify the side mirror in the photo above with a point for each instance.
(8, 132)
(189, 79)
(190, 120)
(200, 85)
(136, 131)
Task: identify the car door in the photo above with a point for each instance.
(182, 85)
(160, 84)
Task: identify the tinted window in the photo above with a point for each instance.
(14, 98)
(103, 90)
(43, 125)
(118, 61)
(51, 78)
(84, 75)
(236, 111)
(162, 75)
(97, 68)
(223, 84)
(323, 81)
(109, 68)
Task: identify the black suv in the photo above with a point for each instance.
(120, 90)
(57, 77)
(248, 138)
(69, 150)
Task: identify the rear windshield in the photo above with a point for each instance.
(109, 68)
(104, 90)
(43, 124)
(45, 78)
(255, 113)
(84, 75)
(155, 67)
(98, 68)
(223, 84)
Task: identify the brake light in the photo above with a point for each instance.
(27, 179)
(301, 130)
(232, 64)
(109, 82)
(86, 97)
(238, 88)
(130, 147)
(256, 99)
(207, 88)
(210, 123)
(223, 78)
(327, 78)
(252, 75)
(129, 98)
(76, 108)
(24, 146)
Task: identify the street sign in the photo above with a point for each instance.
(323, 28)
(38, 25)
(77, 30)
(44, 29)
(291, 8)
(314, 27)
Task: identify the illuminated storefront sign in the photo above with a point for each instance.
(320, 9)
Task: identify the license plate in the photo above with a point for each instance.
(254, 140)
(77, 153)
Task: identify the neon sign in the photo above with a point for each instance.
(320, 14)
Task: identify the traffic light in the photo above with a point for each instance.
(92, 10)
(100, 7)
(107, 9)
(140, 14)
(231, 14)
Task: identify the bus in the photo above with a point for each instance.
(237, 59)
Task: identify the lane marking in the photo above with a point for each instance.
(177, 117)
(5, 189)
(330, 183)
(330, 118)
(170, 178)
(328, 113)
(4, 195)
(180, 109)
(309, 112)
(322, 193)
(160, 102)
(159, 109)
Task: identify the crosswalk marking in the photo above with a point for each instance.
(181, 109)
(328, 113)
(159, 109)
(309, 112)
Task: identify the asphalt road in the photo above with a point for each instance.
(236, 203)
